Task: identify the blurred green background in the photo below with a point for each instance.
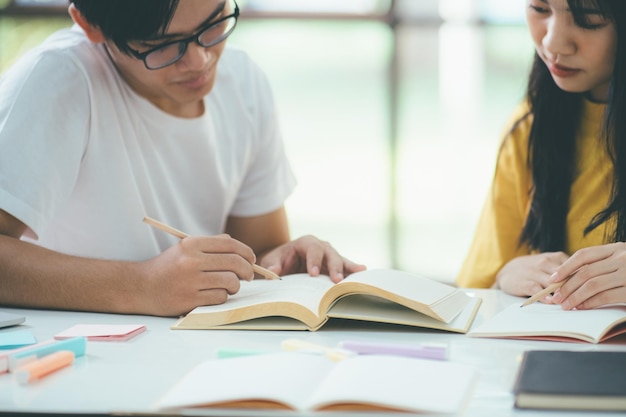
(390, 179)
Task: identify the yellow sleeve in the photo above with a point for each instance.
(496, 240)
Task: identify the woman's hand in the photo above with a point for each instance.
(597, 277)
(527, 275)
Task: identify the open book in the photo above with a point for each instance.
(550, 322)
(307, 382)
(300, 302)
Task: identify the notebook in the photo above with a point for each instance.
(572, 380)
(10, 319)
(304, 383)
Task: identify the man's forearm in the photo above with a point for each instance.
(32, 276)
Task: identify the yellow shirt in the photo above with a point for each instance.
(503, 216)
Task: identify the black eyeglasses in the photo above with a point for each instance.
(171, 52)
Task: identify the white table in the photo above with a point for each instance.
(128, 377)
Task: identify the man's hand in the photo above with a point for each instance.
(196, 271)
(311, 255)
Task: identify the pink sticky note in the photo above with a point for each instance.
(102, 332)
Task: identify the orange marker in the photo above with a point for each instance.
(44, 366)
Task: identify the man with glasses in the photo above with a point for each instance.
(140, 110)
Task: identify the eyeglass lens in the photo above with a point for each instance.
(173, 52)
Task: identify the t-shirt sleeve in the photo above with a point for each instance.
(496, 240)
(269, 179)
(43, 122)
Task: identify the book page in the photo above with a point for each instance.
(297, 296)
(301, 381)
(549, 321)
(281, 380)
(433, 298)
(395, 383)
(372, 308)
(261, 323)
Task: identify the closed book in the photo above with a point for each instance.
(572, 380)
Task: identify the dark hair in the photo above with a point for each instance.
(551, 146)
(122, 21)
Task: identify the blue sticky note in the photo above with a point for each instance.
(16, 339)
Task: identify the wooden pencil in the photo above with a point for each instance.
(548, 290)
(265, 273)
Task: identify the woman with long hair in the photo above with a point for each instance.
(557, 206)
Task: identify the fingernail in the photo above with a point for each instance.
(556, 297)
(339, 276)
(566, 305)
(315, 271)
(553, 276)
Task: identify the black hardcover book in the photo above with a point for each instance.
(571, 380)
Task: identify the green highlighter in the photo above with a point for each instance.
(235, 353)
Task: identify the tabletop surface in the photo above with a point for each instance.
(127, 378)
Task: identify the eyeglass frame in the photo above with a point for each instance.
(186, 41)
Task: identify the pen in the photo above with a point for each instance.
(548, 290)
(77, 345)
(424, 351)
(266, 273)
(296, 345)
(44, 366)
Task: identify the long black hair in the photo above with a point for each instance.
(128, 20)
(551, 146)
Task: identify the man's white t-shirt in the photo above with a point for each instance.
(83, 158)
